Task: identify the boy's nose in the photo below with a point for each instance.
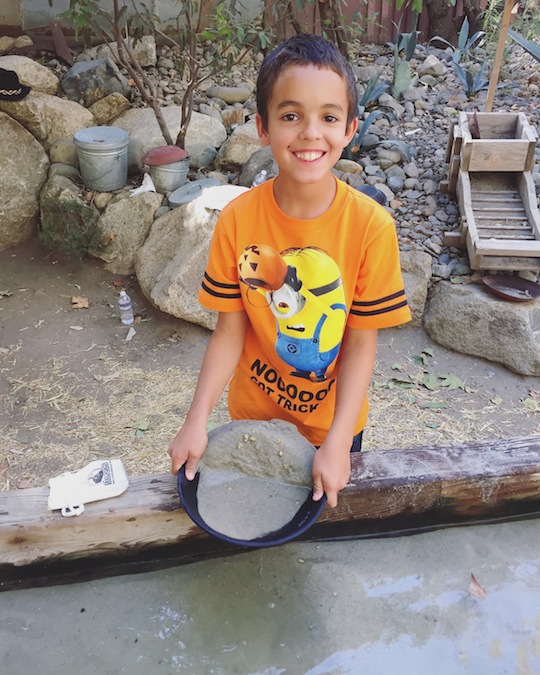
(311, 130)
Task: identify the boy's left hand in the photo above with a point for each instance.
(331, 471)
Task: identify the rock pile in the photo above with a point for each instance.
(403, 157)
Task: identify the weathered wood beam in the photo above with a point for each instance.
(391, 492)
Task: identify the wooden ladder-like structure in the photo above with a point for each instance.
(490, 159)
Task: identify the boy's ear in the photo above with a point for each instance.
(351, 130)
(263, 134)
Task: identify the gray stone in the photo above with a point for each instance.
(123, 228)
(238, 94)
(431, 66)
(109, 108)
(171, 263)
(63, 151)
(416, 271)
(31, 73)
(59, 169)
(89, 81)
(468, 319)
(201, 155)
(24, 171)
(48, 118)
(239, 147)
(259, 160)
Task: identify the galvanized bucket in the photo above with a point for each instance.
(103, 157)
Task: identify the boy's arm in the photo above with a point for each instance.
(220, 360)
(332, 463)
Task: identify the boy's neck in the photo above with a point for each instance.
(305, 201)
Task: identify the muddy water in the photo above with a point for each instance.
(377, 607)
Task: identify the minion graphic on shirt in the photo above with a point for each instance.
(304, 291)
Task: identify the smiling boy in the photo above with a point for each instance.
(303, 271)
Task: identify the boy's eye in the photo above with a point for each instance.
(290, 117)
(330, 118)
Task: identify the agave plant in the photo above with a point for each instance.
(369, 109)
(528, 45)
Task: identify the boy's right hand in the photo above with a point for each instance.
(187, 447)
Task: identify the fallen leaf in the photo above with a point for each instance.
(430, 382)
(475, 588)
(531, 404)
(534, 393)
(77, 327)
(130, 334)
(404, 384)
(496, 400)
(451, 381)
(118, 283)
(24, 484)
(5, 294)
(78, 302)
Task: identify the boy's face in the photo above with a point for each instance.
(307, 123)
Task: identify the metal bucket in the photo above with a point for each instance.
(168, 177)
(103, 157)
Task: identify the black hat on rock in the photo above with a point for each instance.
(10, 87)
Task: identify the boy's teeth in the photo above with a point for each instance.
(309, 156)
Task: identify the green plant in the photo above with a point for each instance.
(369, 109)
(223, 39)
(465, 45)
(403, 48)
(469, 71)
(471, 81)
(528, 45)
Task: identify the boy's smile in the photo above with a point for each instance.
(307, 126)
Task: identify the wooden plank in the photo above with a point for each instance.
(497, 125)
(498, 155)
(527, 193)
(508, 264)
(529, 249)
(503, 31)
(441, 484)
(454, 239)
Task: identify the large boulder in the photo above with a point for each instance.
(24, 171)
(31, 73)
(468, 319)
(141, 125)
(239, 147)
(416, 271)
(171, 263)
(170, 266)
(123, 228)
(48, 118)
(89, 81)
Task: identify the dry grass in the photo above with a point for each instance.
(59, 420)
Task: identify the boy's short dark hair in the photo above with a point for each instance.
(303, 50)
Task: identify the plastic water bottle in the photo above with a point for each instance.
(260, 178)
(126, 311)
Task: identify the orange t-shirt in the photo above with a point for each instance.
(301, 282)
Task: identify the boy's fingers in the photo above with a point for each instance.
(191, 469)
(331, 498)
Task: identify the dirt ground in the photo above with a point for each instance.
(73, 389)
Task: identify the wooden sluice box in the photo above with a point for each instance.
(490, 160)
